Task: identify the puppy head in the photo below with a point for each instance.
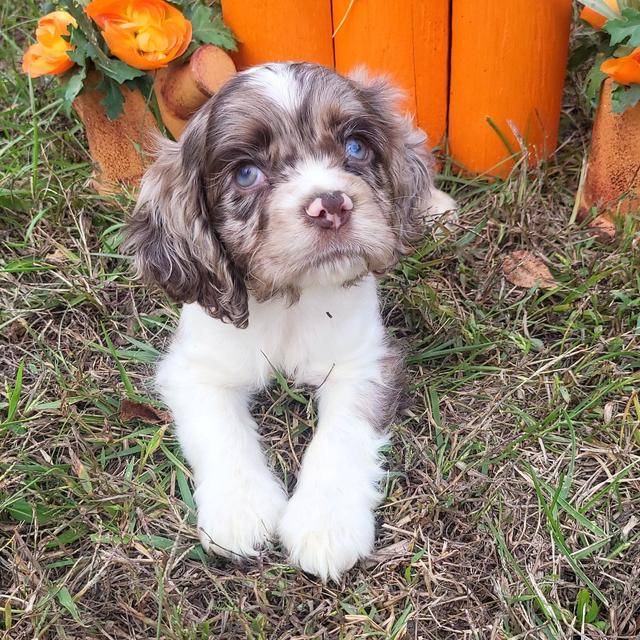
(290, 176)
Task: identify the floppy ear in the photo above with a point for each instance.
(172, 236)
(409, 162)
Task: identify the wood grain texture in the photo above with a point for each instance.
(409, 41)
(612, 184)
(280, 30)
(508, 62)
(182, 88)
(120, 148)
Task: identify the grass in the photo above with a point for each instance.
(513, 493)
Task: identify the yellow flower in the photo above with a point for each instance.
(49, 55)
(146, 34)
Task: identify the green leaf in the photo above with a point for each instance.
(166, 544)
(209, 28)
(83, 48)
(113, 101)
(623, 98)
(156, 542)
(118, 70)
(587, 609)
(15, 199)
(144, 84)
(154, 443)
(8, 622)
(84, 37)
(73, 87)
(582, 603)
(185, 490)
(434, 404)
(67, 601)
(22, 511)
(626, 26)
(594, 82)
(14, 395)
(68, 536)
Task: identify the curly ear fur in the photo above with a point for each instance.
(410, 160)
(172, 236)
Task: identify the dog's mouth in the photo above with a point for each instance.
(349, 258)
(335, 250)
(333, 267)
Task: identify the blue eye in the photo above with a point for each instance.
(248, 175)
(355, 149)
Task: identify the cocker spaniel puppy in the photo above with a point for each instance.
(289, 191)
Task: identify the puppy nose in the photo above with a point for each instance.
(330, 210)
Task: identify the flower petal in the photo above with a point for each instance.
(39, 61)
(146, 34)
(595, 19)
(625, 70)
(48, 56)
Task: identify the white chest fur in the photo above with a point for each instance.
(328, 326)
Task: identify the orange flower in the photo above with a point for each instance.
(625, 70)
(49, 54)
(595, 19)
(146, 34)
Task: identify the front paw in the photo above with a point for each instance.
(323, 537)
(236, 518)
(443, 211)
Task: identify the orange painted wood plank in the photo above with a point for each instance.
(508, 62)
(431, 65)
(407, 40)
(280, 30)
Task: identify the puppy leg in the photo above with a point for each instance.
(329, 522)
(239, 500)
(443, 210)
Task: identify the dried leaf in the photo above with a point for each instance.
(16, 330)
(81, 471)
(59, 256)
(395, 551)
(603, 228)
(524, 269)
(607, 414)
(130, 410)
(626, 530)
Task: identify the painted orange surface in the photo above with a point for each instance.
(406, 39)
(280, 30)
(508, 61)
(612, 184)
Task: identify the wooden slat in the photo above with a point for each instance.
(408, 40)
(280, 30)
(431, 65)
(508, 61)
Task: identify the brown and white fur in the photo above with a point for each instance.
(287, 193)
